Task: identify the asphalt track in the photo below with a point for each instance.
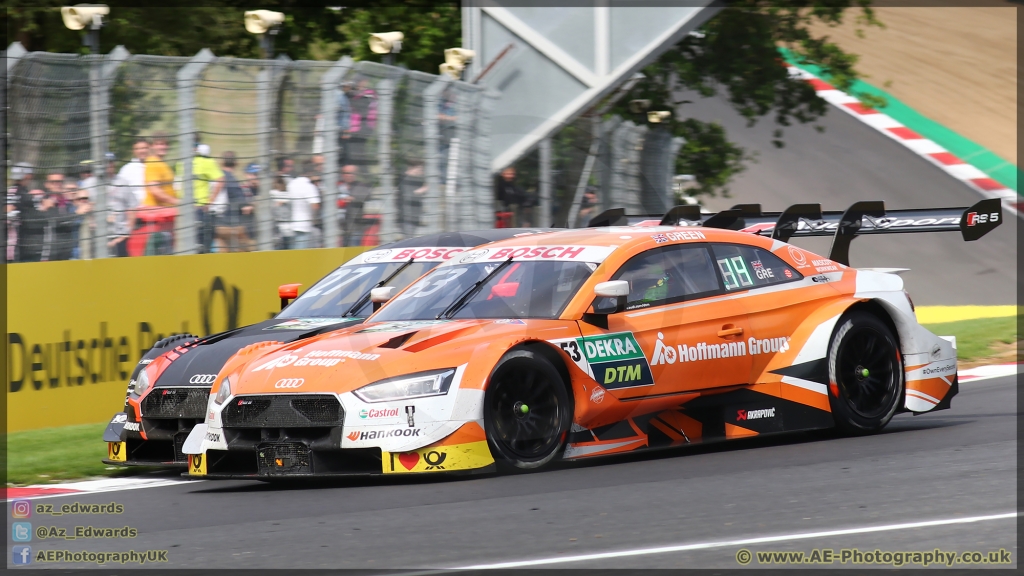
(850, 162)
(946, 466)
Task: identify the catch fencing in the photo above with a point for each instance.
(394, 153)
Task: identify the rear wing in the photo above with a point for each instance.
(805, 220)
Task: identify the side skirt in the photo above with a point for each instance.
(741, 413)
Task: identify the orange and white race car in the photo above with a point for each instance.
(583, 343)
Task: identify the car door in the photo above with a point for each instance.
(676, 334)
(774, 296)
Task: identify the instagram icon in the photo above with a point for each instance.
(21, 509)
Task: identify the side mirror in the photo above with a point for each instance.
(287, 292)
(381, 295)
(618, 289)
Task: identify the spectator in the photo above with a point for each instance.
(362, 122)
(318, 163)
(159, 176)
(84, 229)
(305, 201)
(282, 214)
(134, 172)
(31, 207)
(413, 187)
(344, 122)
(207, 182)
(286, 169)
(229, 229)
(358, 193)
(587, 206)
(509, 196)
(86, 179)
(121, 204)
(63, 232)
(251, 189)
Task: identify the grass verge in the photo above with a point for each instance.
(981, 338)
(59, 454)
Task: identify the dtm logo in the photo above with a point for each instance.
(202, 379)
(376, 434)
(973, 218)
(289, 383)
(755, 414)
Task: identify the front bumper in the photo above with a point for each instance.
(168, 416)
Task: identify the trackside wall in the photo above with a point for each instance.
(76, 329)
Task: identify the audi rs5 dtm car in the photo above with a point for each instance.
(592, 342)
(168, 390)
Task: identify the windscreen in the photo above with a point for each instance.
(538, 289)
(332, 296)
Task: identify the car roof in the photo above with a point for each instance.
(465, 239)
(623, 236)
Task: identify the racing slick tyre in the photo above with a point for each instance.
(527, 412)
(865, 372)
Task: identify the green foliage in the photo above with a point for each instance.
(736, 52)
(709, 156)
(429, 28)
(308, 33)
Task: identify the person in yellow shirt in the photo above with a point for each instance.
(207, 181)
(159, 176)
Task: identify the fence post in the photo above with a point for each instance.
(109, 68)
(188, 75)
(13, 54)
(329, 86)
(462, 213)
(432, 204)
(385, 115)
(543, 216)
(485, 207)
(269, 78)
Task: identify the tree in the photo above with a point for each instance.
(308, 33)
(737, 52)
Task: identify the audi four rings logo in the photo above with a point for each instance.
(289, 383)
(202, 379)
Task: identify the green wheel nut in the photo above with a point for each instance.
(864, 373)
(524, 409)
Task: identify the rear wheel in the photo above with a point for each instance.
(865, 374)
(527, 411)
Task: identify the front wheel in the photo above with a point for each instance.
(527, 411)
(865, 374)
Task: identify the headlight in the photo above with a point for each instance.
(141, 383)
(434, 383)
(223, 393)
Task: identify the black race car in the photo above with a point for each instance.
(169, 388)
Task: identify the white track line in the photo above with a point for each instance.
(739, 542)
(101, 486)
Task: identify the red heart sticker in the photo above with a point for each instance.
(409, 459)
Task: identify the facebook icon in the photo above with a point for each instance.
(21, 554)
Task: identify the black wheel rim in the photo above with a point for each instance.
(525, 412)
(866, 371)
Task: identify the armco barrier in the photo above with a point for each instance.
(76, 329)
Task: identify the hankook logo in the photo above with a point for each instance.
(202, 379)
(289, 383)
